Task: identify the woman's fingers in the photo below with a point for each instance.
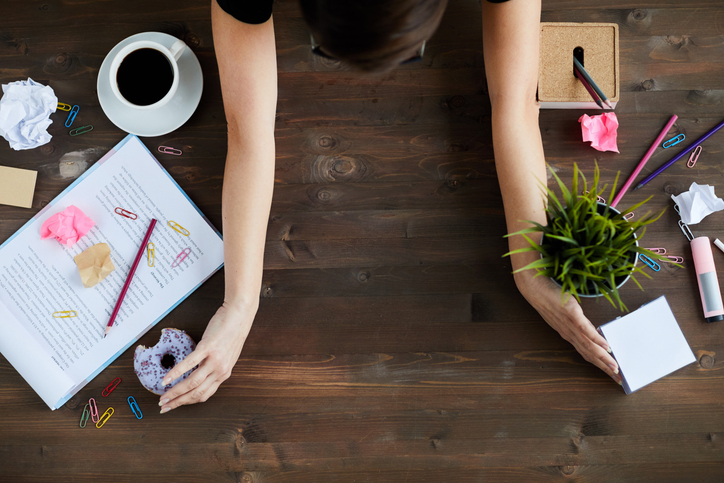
(191, 361)
(195, 380)
(196, 395)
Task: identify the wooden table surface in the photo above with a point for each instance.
(391, 343)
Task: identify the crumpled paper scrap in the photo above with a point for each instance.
(68, 226)
(601, 130)
(697, 203)
(25, 110)
(94, 264)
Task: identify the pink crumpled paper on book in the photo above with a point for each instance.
(601, 130)
(68, 226)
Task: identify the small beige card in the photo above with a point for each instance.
(17, 186)
(94, 264)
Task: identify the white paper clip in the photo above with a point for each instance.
(686, 230)
(694, 157)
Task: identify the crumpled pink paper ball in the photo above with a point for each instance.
(68, 226)
(601, 130)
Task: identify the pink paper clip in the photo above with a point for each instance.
(126, 213)
(170, 150)
(673, 259)
(628, 216)
(93, 410)
(599, 198)
(658, 251)
(694, 157)
(110, 387)
(181, 257)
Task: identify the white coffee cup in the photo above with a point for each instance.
(172, 54)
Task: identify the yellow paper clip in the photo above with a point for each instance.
(178, 228)
(64, 314)
(71, 115)
(134, 407)
(694, 157)
(63, 107)
(84, 417)
(170, 150)
(151, 254)
(181, 257)
(93, 410)
(674, 141)
(106, 416)
(80, 130)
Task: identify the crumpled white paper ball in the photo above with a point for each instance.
(25, 110)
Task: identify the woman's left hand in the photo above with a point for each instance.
(215, 355)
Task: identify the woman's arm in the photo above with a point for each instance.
(511, 34)
(246, 55)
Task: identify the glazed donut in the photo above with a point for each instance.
(153, 363)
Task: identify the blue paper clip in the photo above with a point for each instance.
(134, 407)
(674, 141)
(71, 116)
(649, 263)
(80, 130)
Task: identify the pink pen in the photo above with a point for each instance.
(708, 283)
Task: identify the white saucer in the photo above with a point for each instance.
(166, 118)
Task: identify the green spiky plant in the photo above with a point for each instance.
(586, 248)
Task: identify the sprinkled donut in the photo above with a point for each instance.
(153, 363)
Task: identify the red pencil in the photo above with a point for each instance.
(130, 276)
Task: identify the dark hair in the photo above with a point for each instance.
(372, 35)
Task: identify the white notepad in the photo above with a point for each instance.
(647, 344)
(58, 356)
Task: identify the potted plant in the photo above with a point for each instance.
(588, 248)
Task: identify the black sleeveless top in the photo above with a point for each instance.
(259, 11)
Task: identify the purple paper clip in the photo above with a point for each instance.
(170, 150)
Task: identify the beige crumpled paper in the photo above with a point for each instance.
(94, 264)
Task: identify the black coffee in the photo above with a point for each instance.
(144, 77)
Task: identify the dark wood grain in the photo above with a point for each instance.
(390, 344)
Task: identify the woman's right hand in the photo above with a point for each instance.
(568, 320)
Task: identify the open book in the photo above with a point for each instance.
(38, 278)
(647, 344)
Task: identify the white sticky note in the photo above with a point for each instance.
(648, 344)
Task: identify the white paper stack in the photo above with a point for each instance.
(647, 344)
